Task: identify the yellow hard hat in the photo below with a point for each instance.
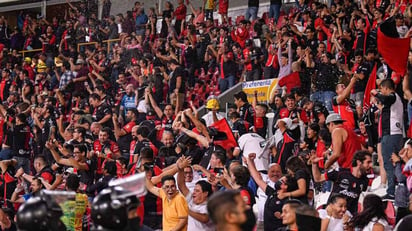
(27, 59)
(212, 104)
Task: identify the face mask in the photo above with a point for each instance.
(201, 31)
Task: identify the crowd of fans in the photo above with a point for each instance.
(76, 117)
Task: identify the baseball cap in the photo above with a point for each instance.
(27, 59)
(334, 117)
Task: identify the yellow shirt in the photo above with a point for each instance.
(173, 209)
(210, 4)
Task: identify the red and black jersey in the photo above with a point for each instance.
(47, 174)
(124, 141)
(7, 183)
(347, 184)
(285, 149)
(99, 147)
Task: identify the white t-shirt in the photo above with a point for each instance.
(334, 223)
(193, 224)
(254, 143)
(209, 117)
(262, 196)
(374, 220)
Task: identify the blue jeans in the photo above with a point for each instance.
(409, 113)
(390, 144)
(6, 154)
(209, 14)
(324, 97)
(24, 163)
(274, 11)
(251, 13)
(226, 83)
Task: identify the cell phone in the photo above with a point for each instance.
(218, 170)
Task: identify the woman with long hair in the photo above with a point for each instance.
(372, 217)
(297, 180)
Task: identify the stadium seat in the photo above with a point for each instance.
(390, 213)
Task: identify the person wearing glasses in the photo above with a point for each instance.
(175, 208)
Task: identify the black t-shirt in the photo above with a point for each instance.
(261, 126)
(100, 112)
(113, 31)
(21, 140)
(124, 143)
(179, 71)
(347, 184)
(141, 144)
(273, 204)
(87, 176)
(247, 113)
(253, 3)
(293, 184)
(49, 123)
(365, 68)
(241, 127)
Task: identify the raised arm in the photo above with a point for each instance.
(254, 172)
(340, 98)
(181, 182)
(151, 188)
(317, 176)
(407, 94)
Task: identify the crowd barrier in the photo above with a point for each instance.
(79, 45)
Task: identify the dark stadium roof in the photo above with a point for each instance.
(16, 2)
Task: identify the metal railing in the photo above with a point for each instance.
(109, 42)
(79, 45)
(23, 52)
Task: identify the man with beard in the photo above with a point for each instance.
(227, 210)
(123, 135)
(133, 157)
(128, 100)
(104, 148)
(101, 112)
(349, 182)
(95, 128)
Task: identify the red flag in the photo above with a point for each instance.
(290, 81)
(369, 87)
(393, 49)
(223, 126)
